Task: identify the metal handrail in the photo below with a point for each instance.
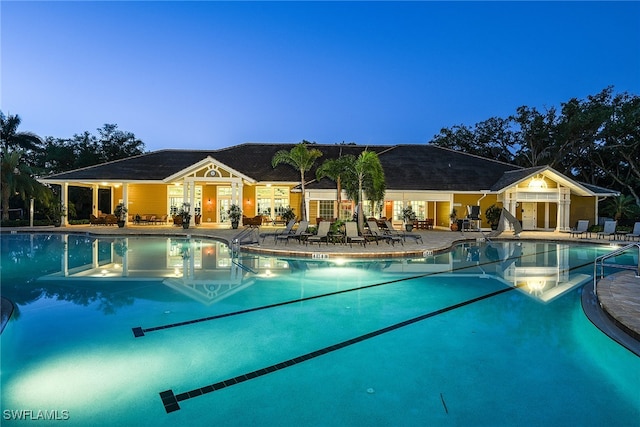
(600, 260)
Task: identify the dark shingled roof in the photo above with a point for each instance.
(429, 167)
(253, 160)
(511, 177)
(407, 167)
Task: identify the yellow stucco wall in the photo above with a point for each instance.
(147, 199)
(294, 202)
(582, 208)
(249, 201)
(313, 211)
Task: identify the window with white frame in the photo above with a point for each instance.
(419, 209)
(272, 201)
(325, 208)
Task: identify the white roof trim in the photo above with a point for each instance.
(204, 163)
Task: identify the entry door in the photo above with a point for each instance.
(223, 206)
(529, 216)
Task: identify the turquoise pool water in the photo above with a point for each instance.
(483, 335)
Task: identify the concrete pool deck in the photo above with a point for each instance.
(618, 295)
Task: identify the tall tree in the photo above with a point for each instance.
(11, 139)
(618, 154)
(17, 179)
(536, 136)
(302, 158)
(336, 170)
(366, 177)
(492, 138)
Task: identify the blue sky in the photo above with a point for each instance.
(206, 75)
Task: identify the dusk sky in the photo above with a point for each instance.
(206, 75)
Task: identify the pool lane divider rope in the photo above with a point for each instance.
(138, 331)
(170, 399)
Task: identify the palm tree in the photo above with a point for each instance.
(17, 179)
(367, 177)
(336, 170)
(620, 207)
(302, 159)
(10, 138)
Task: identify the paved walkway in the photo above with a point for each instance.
(621, 292)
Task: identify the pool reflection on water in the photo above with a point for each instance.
(483, 335)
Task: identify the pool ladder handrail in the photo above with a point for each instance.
(599, 261)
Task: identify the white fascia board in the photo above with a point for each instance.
(203, 163)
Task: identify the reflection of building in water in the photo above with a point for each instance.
(208, 271)
(539, 269)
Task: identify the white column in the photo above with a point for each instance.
(31, 212)
(94, 200)
(192, 199)
(125, 200)
(65, 202)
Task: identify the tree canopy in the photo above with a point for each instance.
(594, 140)
(25, 156)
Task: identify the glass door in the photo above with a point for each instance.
(224, 203)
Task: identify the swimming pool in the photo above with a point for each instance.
(482, 335)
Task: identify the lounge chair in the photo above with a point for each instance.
(393, 232)
(581, 228)
(379, 235)
(351, 234)
(285, 231)
(609, 229)
(300, 231)
(635, 234)
(323, 233)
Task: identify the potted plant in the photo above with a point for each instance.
(56, 212)
(185, 213)
(235, 213)
(453, 216)
(408, 216)
(492, 214)
(287, 214)
(121, 214)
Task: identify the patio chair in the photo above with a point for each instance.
(581, 228)
(609, 229)
(284, 231)
(473, 215)
(393, 232)
(323, 233)
(379, 235)
(635, 234)
(351, 234)
(300, 231)
(94, 220)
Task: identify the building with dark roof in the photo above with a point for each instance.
(432, 179)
